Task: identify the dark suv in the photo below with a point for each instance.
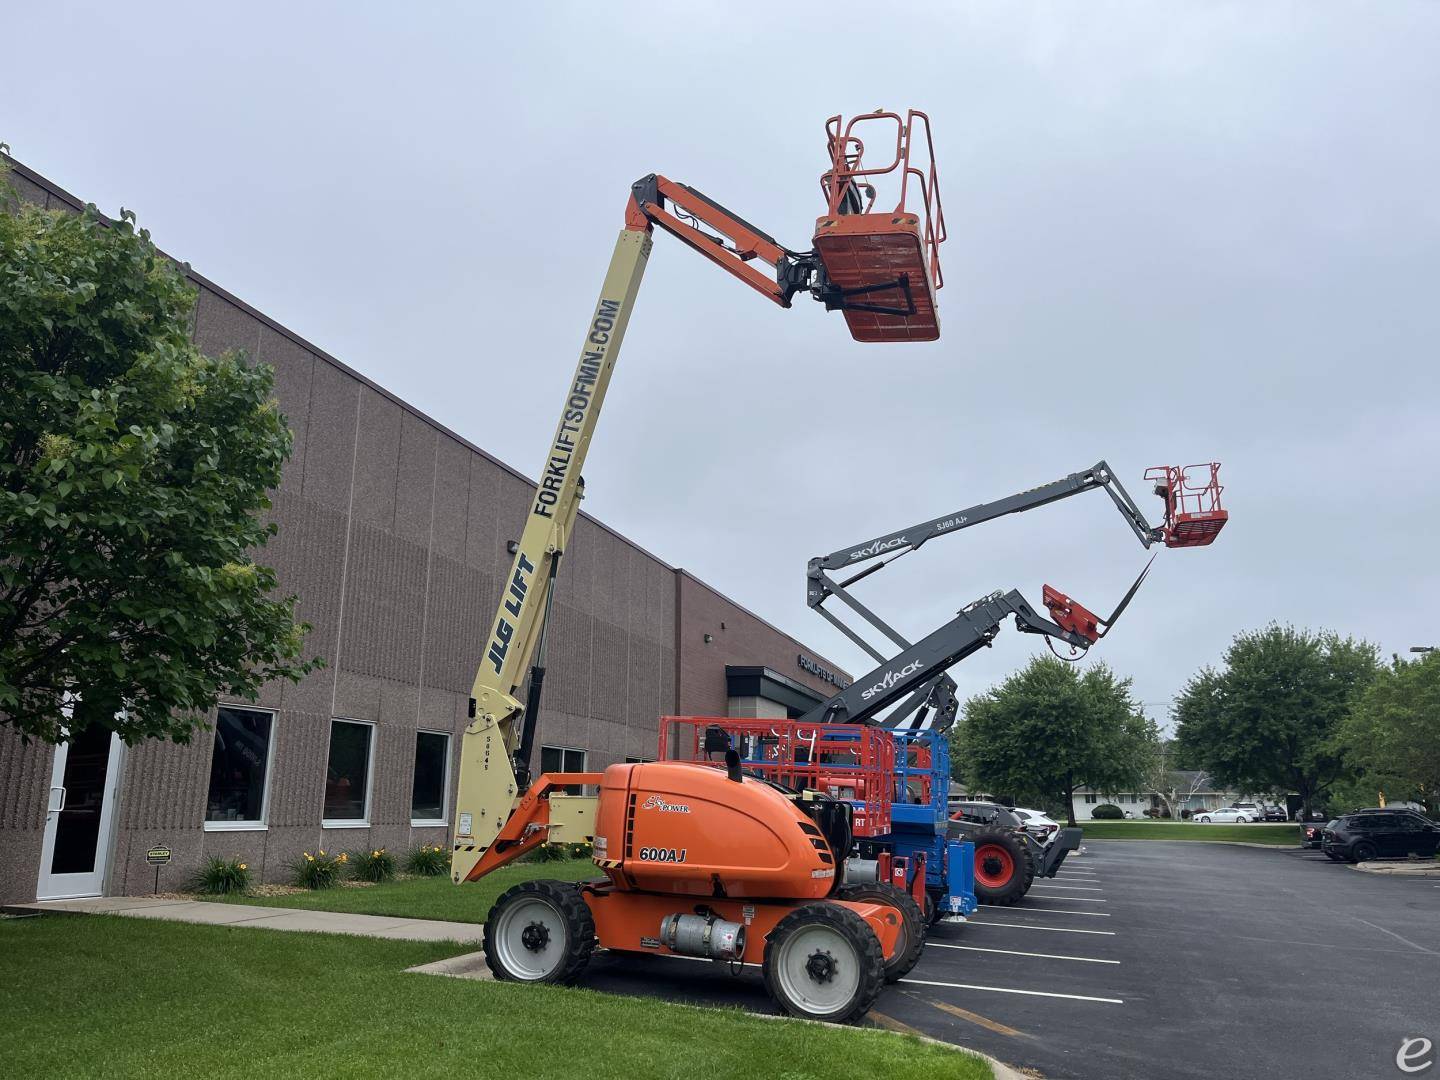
(1380, 834)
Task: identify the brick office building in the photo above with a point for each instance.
(393, 534)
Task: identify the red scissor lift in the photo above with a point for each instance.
(854, 762)
(882, 263)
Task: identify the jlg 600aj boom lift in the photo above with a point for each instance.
(697, 861)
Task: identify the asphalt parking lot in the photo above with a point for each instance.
(1152, 960)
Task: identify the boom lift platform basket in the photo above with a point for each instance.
(882, 262)
(1193, 514)
(852, 762)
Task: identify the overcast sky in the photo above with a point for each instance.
(1178, 233)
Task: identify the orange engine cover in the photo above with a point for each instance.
(682, 828)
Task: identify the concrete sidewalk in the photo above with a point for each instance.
(268, 918)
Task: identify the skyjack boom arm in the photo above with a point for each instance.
(917, 673)
(931, 697)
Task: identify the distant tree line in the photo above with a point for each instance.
(1286, 710)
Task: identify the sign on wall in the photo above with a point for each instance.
(821, 673)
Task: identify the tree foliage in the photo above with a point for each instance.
(1269, 719)
(1048, 730)
(133, 479)
(1393, 731)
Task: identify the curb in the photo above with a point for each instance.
(1174, 840)
(472, 966)
(1397, 870)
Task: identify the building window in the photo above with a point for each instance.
(1090, 798)
(432, 772)
(563, 759)
(347, 774)
(239, 769)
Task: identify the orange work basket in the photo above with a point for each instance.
(882, 262)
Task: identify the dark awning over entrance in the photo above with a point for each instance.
(769, 684)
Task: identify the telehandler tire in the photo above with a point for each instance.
(1000, 866)
(823, 962)
(912, 923)
(539, 931)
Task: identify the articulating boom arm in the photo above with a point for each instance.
(498, 744)
(932, 696)
(918, 671)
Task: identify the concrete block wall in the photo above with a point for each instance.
(393, 535)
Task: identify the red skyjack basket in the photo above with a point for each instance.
(1193, 515)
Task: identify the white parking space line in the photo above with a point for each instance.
(1075, 888)
(1072, 899)
(1046, 911)
(1051, 929)
(1012, 990)
(1016, 952)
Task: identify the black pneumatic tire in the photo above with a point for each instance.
(558, 910)
(851, 935)
(1000, 865)
(1362, 852)
(912, 924)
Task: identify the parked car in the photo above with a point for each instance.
(1275, 813)
(1224, 814)
(1254, 811)
(1037, 824)
(1313, 833)
(1380, 834)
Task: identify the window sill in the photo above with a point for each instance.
(236, 826)
(428, 823)
(345, 824)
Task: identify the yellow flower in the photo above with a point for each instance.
(307, 854)
(322, 851)
(244, 867)
(309, 857)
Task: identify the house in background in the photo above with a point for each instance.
(1193, 791)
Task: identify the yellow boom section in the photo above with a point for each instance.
(487, 788)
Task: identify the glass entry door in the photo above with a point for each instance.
(83, 783)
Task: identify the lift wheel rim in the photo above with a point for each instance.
(818, 969)
(529, 937)
(993, 866)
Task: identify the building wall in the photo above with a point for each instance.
(736, 637)
(392, 532)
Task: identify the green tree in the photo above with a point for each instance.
(1048, 730)
(1269, 719)
(1393, 732)
(133, 478)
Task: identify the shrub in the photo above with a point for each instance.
(1107, 812)
(1187, 813)
(560, 852)
(318, 871)
(218, 876)
(377, 865)
(428, 860)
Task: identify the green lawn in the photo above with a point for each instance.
(425, 898)
(1279, 835)
(92, 996)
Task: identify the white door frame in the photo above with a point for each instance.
(73, 886)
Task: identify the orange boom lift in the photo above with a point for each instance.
(698, 861)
